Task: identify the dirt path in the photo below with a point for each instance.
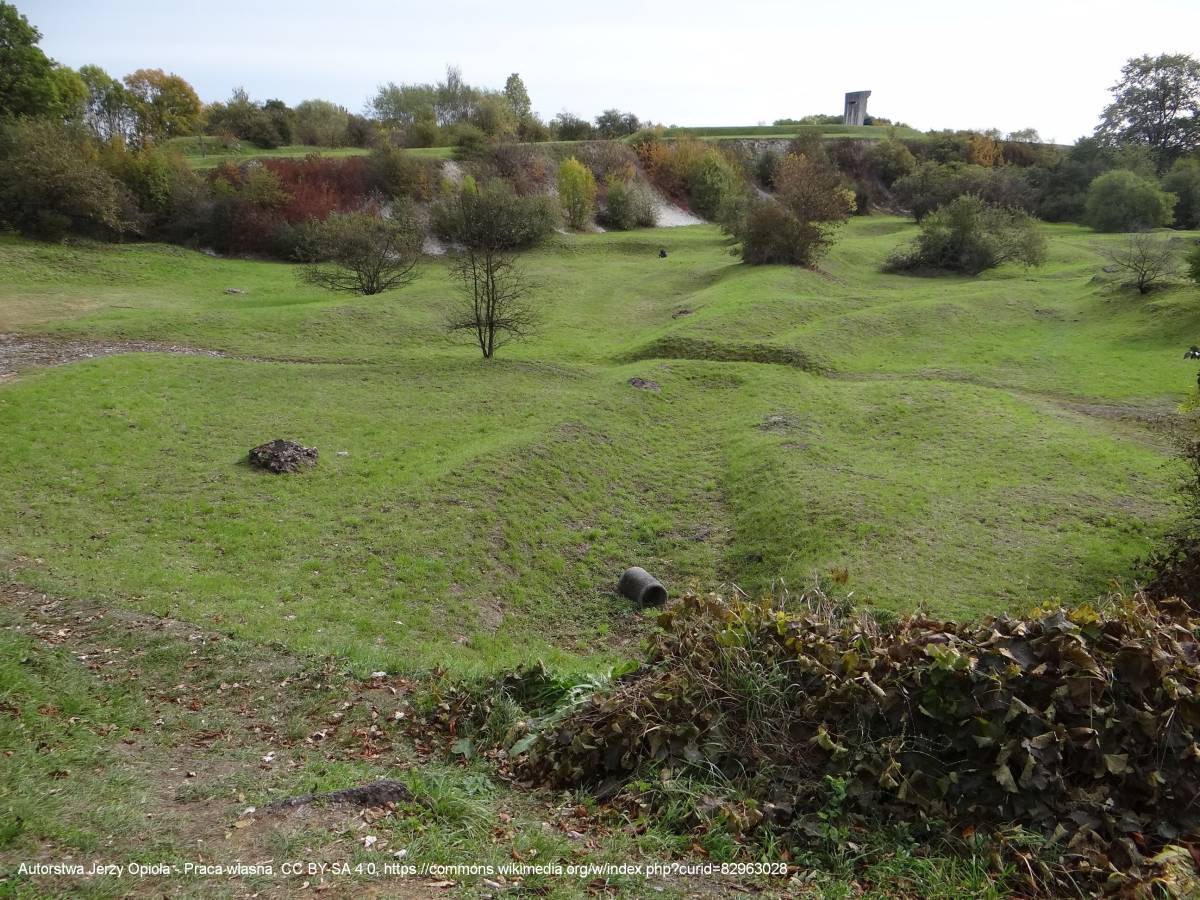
(23, 351)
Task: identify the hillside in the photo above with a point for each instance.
(960, 445)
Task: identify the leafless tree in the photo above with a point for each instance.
(490, 225)
(1149, 259)
(359, 253)
(495, 308)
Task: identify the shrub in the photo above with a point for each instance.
(318, 185)
(1148, 259)
(494, 216)
(691, 171)
(396, 174)
(933, 185)
(52, 184)
(247, 208)
(769, 233)
(1123, 201)
(359, 253)
(1193, 264)
(604, 158)
(576, 192)
(1184, 182)
(1071, 725)
(174, 201)
(709, 181)
(627, 205)
(797, 228)
(321, 123)
(468, 140)
(970, 236)
(890, 160)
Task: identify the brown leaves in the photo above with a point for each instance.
(1078, 725)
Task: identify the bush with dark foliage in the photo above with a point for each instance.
(970, 236)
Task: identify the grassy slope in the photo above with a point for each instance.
(202, 156)
(949, 456)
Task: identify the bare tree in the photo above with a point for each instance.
(495, 308)
(359, 253)
(490, 226)
(1148, 259)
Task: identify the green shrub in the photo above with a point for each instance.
(576, 192)
(627, 205)
(1193, 264)
(468, 140)
(770, 233)
(970, 236)
(890, 160)
(1124, 201)
(1184, 182)
(494, 217)
(709, 182)
(933, 185)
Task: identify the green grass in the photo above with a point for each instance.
(962, 445)
(132, 739)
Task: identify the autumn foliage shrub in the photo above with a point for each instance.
(691, 172)
(1074, 726)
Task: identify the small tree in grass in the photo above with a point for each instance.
(1149, 259)
(576, 192)
(490, 225)
(359, 253)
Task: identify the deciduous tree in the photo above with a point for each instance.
(164, 105)
(576, 192)
(1156, 104)
(1148, 259)
(489, 226)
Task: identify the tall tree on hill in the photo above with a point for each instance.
(32, 84)
(518, 97)
(165, 106)
(1156, 104)
(107, 110)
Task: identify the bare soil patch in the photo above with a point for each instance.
(23, 351)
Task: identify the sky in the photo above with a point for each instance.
(1017, 64)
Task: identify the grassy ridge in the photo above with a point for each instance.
(963, 445)
(873, 132)
(205, 153)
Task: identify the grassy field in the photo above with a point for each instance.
(962, 445)
(965, 446)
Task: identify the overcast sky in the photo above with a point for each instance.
(934, 64)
